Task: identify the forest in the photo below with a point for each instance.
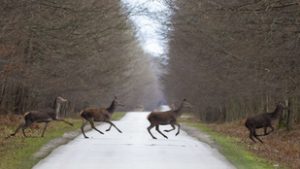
(229, 59)
(84, 51)
(233, 59)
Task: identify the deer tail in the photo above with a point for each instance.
(85, 114)
(27, 116)
(81, 113)
(149, 117)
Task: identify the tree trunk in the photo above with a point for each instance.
(289, 120)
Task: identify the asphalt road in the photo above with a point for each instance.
(134, 149)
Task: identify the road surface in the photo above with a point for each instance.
(134, 149)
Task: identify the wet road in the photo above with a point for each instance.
(134, 149)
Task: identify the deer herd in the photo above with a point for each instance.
(156, 118)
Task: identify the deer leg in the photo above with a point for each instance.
(149, 128)
(45, 127)
(272, 129)
(71, 124)
(109, 128)
(251, 135)
(256, 136)
(173, 128)
(93, 126)
(157, 129)
(84, 122)
(178, 125)
(17, 130)
(266, 130)
(112, 124)
(25, 126)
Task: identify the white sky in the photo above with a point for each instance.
(149, 28)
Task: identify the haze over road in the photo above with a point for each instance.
(134, 149)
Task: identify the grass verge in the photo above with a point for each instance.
(17, 152)
(234, 151)
(117, 115)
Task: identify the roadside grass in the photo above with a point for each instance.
(118, 115)
(17, 152)
(234, 151)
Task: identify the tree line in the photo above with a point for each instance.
(235, 59)
(84, 51)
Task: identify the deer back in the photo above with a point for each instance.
(39, 116)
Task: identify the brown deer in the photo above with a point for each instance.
(38, 117)
(92, 115)
(263, 120)
(165, 118)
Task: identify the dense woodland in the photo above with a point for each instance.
(84, 51)
(230, 59)
(233, 59)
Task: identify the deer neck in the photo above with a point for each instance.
(112, 107)
(276, 112)
(178, 110)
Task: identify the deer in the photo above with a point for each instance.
(37, 116)
(166, 118)
(263, 120)
(91, 115)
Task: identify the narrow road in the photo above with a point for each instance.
(134, 149)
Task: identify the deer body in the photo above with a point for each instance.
(38, 117)
(263, 120)
(91, 115)
(162, 118)
(165, 118)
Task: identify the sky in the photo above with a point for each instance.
(148, 17)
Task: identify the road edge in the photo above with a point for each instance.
(46, 149)
(200, 135)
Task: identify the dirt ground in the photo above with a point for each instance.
(281, 146)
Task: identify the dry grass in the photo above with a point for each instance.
(16, 152)
(281, 146)
(8, 123)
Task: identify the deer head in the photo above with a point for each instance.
(117, 102)
(187, 104)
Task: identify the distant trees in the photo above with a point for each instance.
(84, 51)
(235, 58)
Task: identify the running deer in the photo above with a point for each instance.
(165, 118)
(263, 120)
(92, 115)
(38, 117)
